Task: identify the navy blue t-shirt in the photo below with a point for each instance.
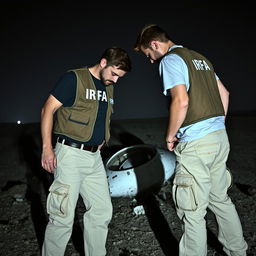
(65, 92)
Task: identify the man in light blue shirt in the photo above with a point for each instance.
(196, 133)
(174, 71)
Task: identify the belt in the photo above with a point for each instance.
(77, 145)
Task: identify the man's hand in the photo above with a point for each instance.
(49, 160)
(102, 145)
(171, 143)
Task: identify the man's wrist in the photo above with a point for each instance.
(48, 146)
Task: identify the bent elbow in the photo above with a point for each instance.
(181, 102)
(184, 103)
(42, 111)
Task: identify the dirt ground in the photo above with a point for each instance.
(150, 228)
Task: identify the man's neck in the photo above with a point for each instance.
(170, 44)
(95, 71)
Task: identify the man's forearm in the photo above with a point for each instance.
(46, 129)
(225, 102)
(224, 95)
(178, 113)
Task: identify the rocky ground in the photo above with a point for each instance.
(150, 228)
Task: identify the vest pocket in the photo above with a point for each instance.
(184, 192)
(57, 200)
(77, 118)
(79, 125)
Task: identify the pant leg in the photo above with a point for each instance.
(230, 229)
(62, 200)
(191, 190)
(201, 179)
(95, 193)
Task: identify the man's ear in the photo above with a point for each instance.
(103, 63)
(154, 45)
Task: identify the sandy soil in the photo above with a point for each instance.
(155, 232)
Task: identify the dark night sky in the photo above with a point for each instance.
(39, 42)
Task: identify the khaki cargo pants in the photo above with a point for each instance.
(78, 172)
(201, 180)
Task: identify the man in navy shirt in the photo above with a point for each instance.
(82, 102)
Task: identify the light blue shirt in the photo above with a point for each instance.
(174, 71)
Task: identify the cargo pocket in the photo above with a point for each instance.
(183, 192)
(57, 200)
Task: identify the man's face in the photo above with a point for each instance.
(110, 74)
(153, 55)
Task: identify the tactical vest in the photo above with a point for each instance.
(204, 96)
(77, 121)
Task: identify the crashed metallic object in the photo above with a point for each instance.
(137, 169)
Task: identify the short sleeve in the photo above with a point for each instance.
(173, 71)
(65, 89)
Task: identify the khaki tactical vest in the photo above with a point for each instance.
(77, 121)
(204, 96)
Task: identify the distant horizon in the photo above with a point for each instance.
(236, 114)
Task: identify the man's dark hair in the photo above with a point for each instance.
(149, 33)
(118, 57)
